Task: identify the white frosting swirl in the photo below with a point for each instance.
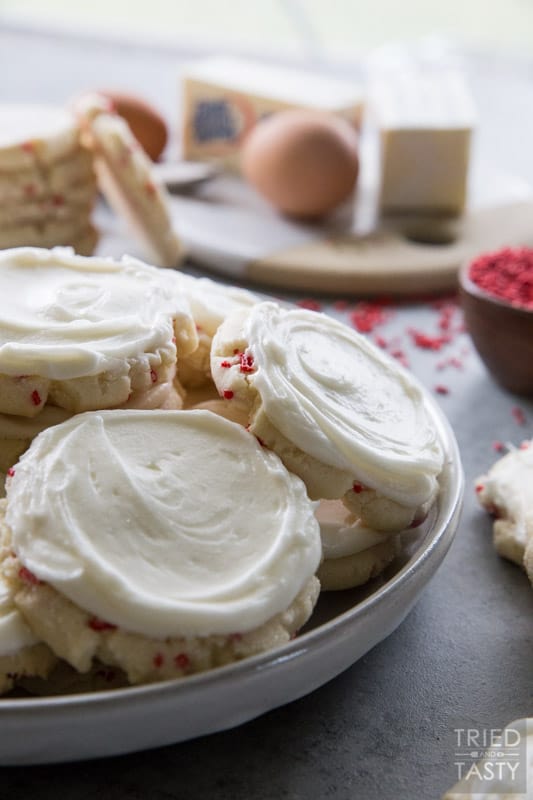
(341, 533)
(14, 633)
(64, 316)
(211, 302)
(163, 523)
(343, 401)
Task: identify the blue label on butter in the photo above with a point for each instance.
(213, 120)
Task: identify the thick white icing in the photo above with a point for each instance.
(64, 316)
(341, 533)
(14, 633)
(508, 486)
(343, 401)
(33, 133)
(212, 302)
(163, 523)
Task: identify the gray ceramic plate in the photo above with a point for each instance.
(344, 627)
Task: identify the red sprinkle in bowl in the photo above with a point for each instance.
(496, 291)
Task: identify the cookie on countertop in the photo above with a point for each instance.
(340, 414)
(506, 491)
(163, 543)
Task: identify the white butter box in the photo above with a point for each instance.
(224, 98)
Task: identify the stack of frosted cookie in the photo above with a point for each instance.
(47, 181)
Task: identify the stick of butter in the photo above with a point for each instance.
(223, 99)
(425, 121)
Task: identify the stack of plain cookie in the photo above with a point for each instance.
(47, 181)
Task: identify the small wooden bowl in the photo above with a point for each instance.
(502, 335)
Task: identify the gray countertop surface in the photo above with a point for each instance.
(463, 657)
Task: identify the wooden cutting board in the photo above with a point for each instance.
(228, 229)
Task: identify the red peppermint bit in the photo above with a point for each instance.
(309, 304)
(150, 187)
(440, 389)
(367, 316)
(153, 375)
(58, 200)
(523, 446)
(225, 364)
(400, 356)
(28, 147)
(358, 487)
(182, 661)
(30, 190)
(426, 342)
(479, 488)
(446, 316)
(158, 660)
(453, 361)
(381, 342)
(417, 522)
(519, 416)
(97, 624)
(11, 472)
(506, 274)
(36, 398)
(227, 394)
(27, 576)
(340, 305)
(246, 362)
(498, 446)
(235, 637)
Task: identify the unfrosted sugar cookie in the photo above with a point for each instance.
(87, 333)
(164, 543)
(126, 176)
(507, 492)
(340, 414)
(352, 553)
(211, 303)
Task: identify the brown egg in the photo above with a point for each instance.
(305, 162)
(146, 123)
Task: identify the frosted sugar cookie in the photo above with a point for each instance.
(127, 179)
(338, 411)
(507, 492)
(21, 653)
(352, 553)
(35, 136)
(70, 174)
(87, 333)
(210, 304)
(166, 543)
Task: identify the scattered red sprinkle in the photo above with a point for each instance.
(246, 361)
(36, 398)
(479, 488)
(381, 342)
(440, 389)
(400, 356)
(498, 446)
(28, 577)
(11, 472)
(358, 487)
(58, 200)
(519, 416)
(158, 659)
(235, 637)
(453, 361)
(100, 625)
(227, 394)
(30, 190)
(417, 522)
(367, 316)
(182, 661)
(153, 376)
(309, 304)
(523, 446)
(340, 305)
(506, 274)
(225, 364)
(150, 187)
(426, 342)
(28, 147)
